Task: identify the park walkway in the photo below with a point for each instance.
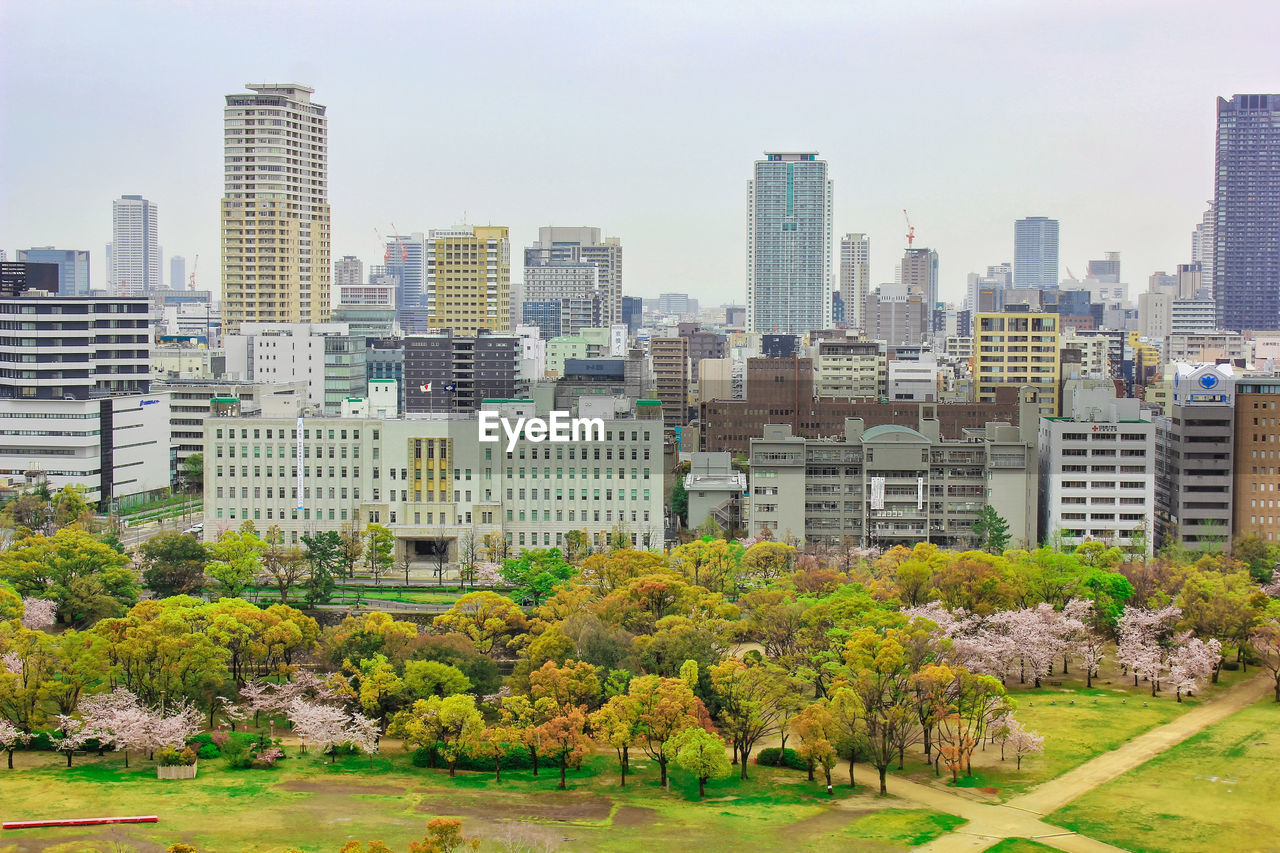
(988, 823)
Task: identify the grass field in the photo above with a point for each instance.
(1018, 845)
(1101, 718)
(1214, 791)
(306, 805)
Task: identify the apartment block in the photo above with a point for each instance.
(448, 373)
(670, 358)
(1018, 349)
(850, 369)
(468, 286)
(1256, 484)
(1194, 469)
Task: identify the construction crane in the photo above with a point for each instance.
(404, 247)
(911, 229)
(386, 247)
(191, 280)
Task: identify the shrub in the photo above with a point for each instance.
(208, 750)
(204, 745)
(268, 757)
(174, 758)
(774, 757)
(238, 750)
(518, 758)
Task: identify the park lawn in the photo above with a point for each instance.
(1018, 845)
(1102, 718)
(350, 596)
(306, 805)
(1214, 791)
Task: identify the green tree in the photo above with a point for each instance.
(351, 547)
(701, 753)
(680, 502)
(237, 560)
(577, 545)
(449, 724)
(192, 472)
(323, 555)
(380, 551)
(173, 564)
(284, 566)
(536, 574)
(664, 708)
(618, 724)
(751, 702)
(992, 531)
(423, 678)
(87, 578)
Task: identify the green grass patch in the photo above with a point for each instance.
(910, 827)
(1018, 845)
(1213, 791)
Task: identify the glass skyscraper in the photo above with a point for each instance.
(1035, 252)
(1246, 257)
(789, 239)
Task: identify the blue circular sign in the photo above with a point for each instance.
(1208, 381)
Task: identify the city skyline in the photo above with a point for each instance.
(1092, 151)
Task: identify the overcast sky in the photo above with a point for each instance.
(644, 119)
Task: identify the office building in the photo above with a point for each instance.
(1017, 349)
(468, 283)
(178, 273)
(1105, 270)
(326, 355)
(73, 267)
(855, 277)
(850, 369)
(1246, 279)
(703, 344)
(135, 247)
(17, 277)
(677, 304)
(1097, 472)
(897, 315)
(560, 297)
(892, 484)
(558, 245)
(789, 244)
(1194, 467)
(405, 260)
(275, 207)
(632, 312)
(920, 277)
(444, 372)
(670, 358)
(916, 380)
(193, 400)
(1035, 252)
(433, 483)
(1256, 484)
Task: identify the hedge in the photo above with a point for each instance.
(769, 757)
(518, 758)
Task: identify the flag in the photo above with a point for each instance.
(452, 386)
(426, 387)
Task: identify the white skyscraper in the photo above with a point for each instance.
(1035, 252)
(1202, 247)
(135, 246)
(789, 237)
(855, 276)
(275, 207)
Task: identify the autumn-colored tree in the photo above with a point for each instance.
(816, 728)
(526, 717)
(701, 753)
(603, 573)
(708, 563)
(665, 707)
(617, 723)
(490, 620)
(444, 835)
(573, 684)
(359, 637)
(564, 738)
(497, 742)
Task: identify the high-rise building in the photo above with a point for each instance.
(1194, 466)
(920, 275)
(855, 277)
(348, 270)
(177, 273)
(275, 207)
(1017, 348)
(73, 267)
(1246, 195)
(1035, 252)
(671, 378)
(1107, 269)
(468, 283)
(447, 373)
(789, 237)
(1202, 248)
(558, 245)
(135, 247)
(406, 260)
(560, 297)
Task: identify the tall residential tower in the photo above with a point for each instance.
(1246, 196)
(275, 207)
(789, 237)
(1035, 252)
(135, 246)
(855, 277)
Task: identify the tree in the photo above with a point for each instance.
(380, 551)
(496, 547)
(816, 728)
(564, 738)
(880, 673)
(665, 707)
(1265, 643)
(284, 566)
(350, 548)
(489, 620)
(39, 613)
(316, 724)
(1191, 662)
(192, 471)
(680, 502)
(765, 562)
(363, 733)
(1022, 742)
(577, 545)
(618, 724)
(701, 753)
(423, 678)
(120, 720)
(323, 556)
(535, 575)
(750, 702)
(573, 684)
(526, 718)
(468, 556)
(449, 724)
(992, 531)
(848, 725)
(72, 735)
(497, 742)
(87, 578)
(708, 563)
(237, 560)
(173, 564)
(11, 737)
(444, 835)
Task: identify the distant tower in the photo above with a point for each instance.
(919, 272)
(855, 277)
(348, 270)
(1035, 252)
(1246, 196)
(135, 246)
(789, 237)
(1202, 248)
(177, 273)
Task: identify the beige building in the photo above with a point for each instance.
(468, 285)
(850, 368)
(1017, 348)
(275, 207)
(670, 358)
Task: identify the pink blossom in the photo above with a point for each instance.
(38, 613)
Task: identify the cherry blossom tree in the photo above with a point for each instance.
(232, 712)
(73, 734)
(11, 737)
(1022, 742)
(1191, 662)
(314, 724)
(120, 721)
(1086, 642)
(38, 613)
(176, 728)
(363, 733)
(1265, 642)
(1145, 639)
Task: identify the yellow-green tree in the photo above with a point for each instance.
(447, 725)
(701, 753)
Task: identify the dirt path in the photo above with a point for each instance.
(1021, 816)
